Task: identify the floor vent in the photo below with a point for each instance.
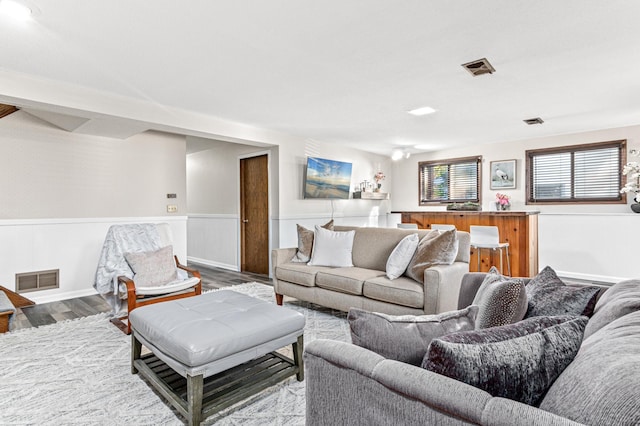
(39, 280)
(479, 67)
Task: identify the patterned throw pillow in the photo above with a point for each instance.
(501, 300)
(401, 256)
(305, 242)
(435, 248)
(405, 338)
(152, 268)
(517, 361)
(548, 295)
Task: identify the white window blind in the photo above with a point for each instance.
(582, 173)
(449, 180)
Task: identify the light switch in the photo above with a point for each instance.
(172, 208)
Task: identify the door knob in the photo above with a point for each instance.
(245, 221)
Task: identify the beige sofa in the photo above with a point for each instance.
(365, 285)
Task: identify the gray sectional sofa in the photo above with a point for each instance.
(365, 285)
(349, 385)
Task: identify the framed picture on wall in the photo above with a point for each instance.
(503, 174)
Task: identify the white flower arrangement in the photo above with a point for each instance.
(632, 171)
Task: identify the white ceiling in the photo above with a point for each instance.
(341, 71)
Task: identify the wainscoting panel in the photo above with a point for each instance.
(591, 247)
(213, 240)
(71, 245)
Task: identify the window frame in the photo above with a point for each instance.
(620, 145)
(448, 162)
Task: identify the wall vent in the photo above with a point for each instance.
(531, 121)
(38, 280)
(479, 67)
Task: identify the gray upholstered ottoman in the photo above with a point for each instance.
(210, 351)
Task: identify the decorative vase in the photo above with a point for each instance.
(502, 206)
(635, 207)
(378, 188)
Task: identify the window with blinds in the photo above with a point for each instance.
(576, 174)
(449, 181)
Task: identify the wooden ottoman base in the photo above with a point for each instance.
(197, 397)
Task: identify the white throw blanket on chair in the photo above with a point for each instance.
(121, 239)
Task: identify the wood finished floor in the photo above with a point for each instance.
(49, 313)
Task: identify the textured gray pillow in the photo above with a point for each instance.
(600, 387)
(501, 300)
(152, 268)
(405, 338)
(548, 295)
(401, 256)
(516, 361)
(435, 248)
(618, 301)
(305, 242)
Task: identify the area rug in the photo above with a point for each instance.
(79, 372)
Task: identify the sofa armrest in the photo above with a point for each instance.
(442, 287)
(278, 257)
(347, 384)
(469, 287)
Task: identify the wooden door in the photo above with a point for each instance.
(254, 214)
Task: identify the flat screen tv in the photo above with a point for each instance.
(327, 179)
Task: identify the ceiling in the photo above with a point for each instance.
(337, 71)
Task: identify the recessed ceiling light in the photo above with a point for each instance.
(422, 111)
(15, 10)
(423, 147)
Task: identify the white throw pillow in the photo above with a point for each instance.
(332, 248)
(401, 256)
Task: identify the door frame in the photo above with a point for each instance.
(239, 205)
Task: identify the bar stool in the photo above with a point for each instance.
(407, 225)
(488, 237)
(442, 227)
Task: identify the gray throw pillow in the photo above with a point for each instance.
(516, 361)
(501, 300)
(401, 256)
(548, 295)
(435, 248)
(405, 338)
(600, 387)
(152, 268)
(619, 300)
(305, 242)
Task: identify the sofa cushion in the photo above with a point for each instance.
(600, 387)
(405, 338)
(345, 280)
(152, 268)
(401, 256)
(435, 248)
(548, 295)
(332, 248)
(619, 300)
(402, 291)
(305, 242)
(501, 300)
(516, 361)
(299, 273)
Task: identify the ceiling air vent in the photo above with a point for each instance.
(479, 67)
(531, 121)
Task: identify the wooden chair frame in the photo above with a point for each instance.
(135, 301)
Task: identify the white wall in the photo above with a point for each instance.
(583, 241)
(213, 194)
(61, 191)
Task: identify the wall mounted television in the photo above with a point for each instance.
(327, 179)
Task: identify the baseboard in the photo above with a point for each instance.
(59, 296)
(212, 263)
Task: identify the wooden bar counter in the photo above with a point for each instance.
(518, 228)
